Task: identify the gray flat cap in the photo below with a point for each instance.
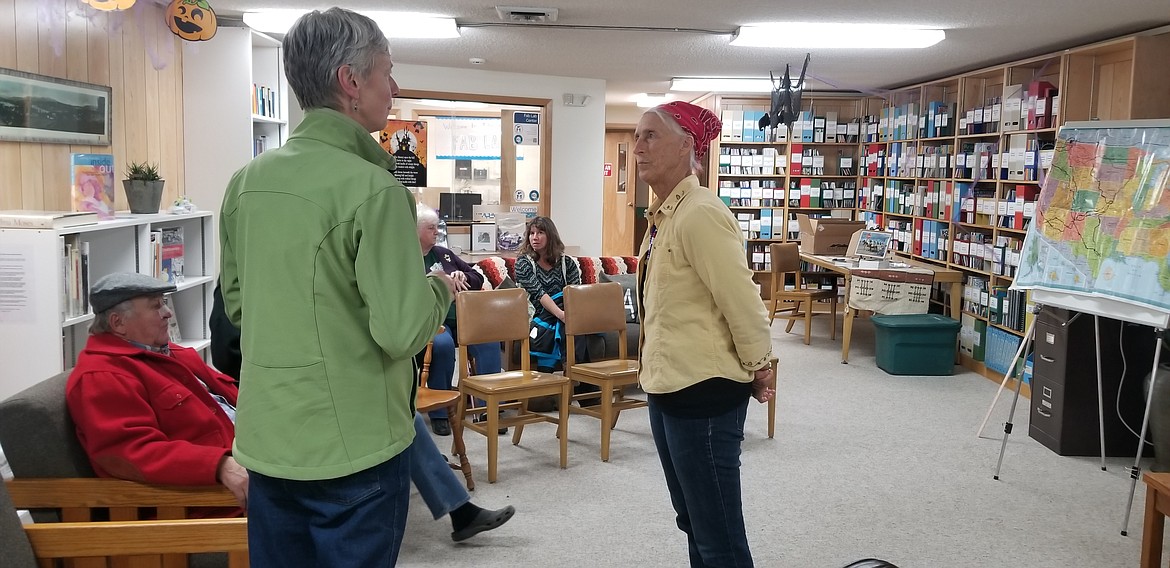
(113, 289)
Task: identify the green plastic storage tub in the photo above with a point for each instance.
(915, 344)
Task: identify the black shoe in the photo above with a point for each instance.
(485, 521)
(440, 426)
(482, 417)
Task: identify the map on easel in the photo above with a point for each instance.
(1102, 229)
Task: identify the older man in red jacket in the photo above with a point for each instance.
(147, 409)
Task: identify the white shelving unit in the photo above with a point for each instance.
(37, 339)
(219, 126)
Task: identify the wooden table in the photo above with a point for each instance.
(1157, 507)
(941, 274)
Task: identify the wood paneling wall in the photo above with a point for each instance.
(147, 103)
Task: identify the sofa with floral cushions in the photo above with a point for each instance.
(622, 269)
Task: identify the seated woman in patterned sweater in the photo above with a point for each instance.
(543, 269)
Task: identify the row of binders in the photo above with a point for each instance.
(805, 193)
(979, 251)
(1031, 107)
(742, 124)
(750, 161)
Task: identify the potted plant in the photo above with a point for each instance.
(143, 187)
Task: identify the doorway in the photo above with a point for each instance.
(625, 196)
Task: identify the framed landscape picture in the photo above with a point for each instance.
(37, 108)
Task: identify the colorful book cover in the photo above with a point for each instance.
(93, 183)
(171, 255)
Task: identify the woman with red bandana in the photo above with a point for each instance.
(705, 338)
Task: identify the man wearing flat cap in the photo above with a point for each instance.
(147, 409)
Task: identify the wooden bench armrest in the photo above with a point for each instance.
(73, 540)
(50, 493)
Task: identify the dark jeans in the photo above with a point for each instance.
(353, 521)
(700, 457)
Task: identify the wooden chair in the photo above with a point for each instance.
(785, 261)
(502, 315)
(55, 482)
(1157, 507)
(100, 544)
(598, 308)
(429, 400)
(775, 364)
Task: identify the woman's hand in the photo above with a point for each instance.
(460, 280)
(764, 384)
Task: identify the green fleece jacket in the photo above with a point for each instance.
(321, 271)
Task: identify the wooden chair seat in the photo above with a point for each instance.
(796, 304)
(600, 308)
(613, 368)
(515, 381)
(488, 316)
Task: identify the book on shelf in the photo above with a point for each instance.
(31, 219)
(171, 254)
(75, 278)
(92, 183)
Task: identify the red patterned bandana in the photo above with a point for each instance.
(700, 123)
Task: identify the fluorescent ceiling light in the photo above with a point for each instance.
(825, 36)
(647, 100)
(393, 24)
(722, 84)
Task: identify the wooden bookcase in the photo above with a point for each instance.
(767, 193)
(40, 338)
(974, 219)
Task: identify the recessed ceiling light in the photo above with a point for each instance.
(393, 24)
(807, 35)
(721, 84)
(647, 100)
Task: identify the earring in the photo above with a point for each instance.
(355, 106)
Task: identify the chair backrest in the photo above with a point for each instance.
(785, 258)
(38, 435)
(594, 308)
(15, 551)
(491, 315)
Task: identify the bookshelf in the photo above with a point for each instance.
(39, 333)
(811, 169)
(223, 119)
(959, 190)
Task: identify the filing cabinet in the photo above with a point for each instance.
(1064, 413)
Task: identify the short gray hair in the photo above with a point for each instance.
(426, 214)
(673, 126)
(101, 320)
(319, 43)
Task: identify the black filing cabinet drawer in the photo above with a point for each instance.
(1047, 412)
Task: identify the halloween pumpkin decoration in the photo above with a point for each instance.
(192, 20)
(110, 5)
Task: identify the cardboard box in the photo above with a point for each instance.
(826, 235)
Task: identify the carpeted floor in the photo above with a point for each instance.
(864, 464)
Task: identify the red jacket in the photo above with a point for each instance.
(143, 416)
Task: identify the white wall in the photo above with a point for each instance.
(578, 137)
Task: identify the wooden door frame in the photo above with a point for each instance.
(543, 207)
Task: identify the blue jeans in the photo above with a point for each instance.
(353, 521)
(700, 457)
(487, 360)
(436, 482)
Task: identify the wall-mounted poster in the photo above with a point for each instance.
(406, 140)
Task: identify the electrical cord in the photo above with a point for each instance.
(1124, 366)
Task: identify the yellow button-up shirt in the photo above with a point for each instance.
(701, 313)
